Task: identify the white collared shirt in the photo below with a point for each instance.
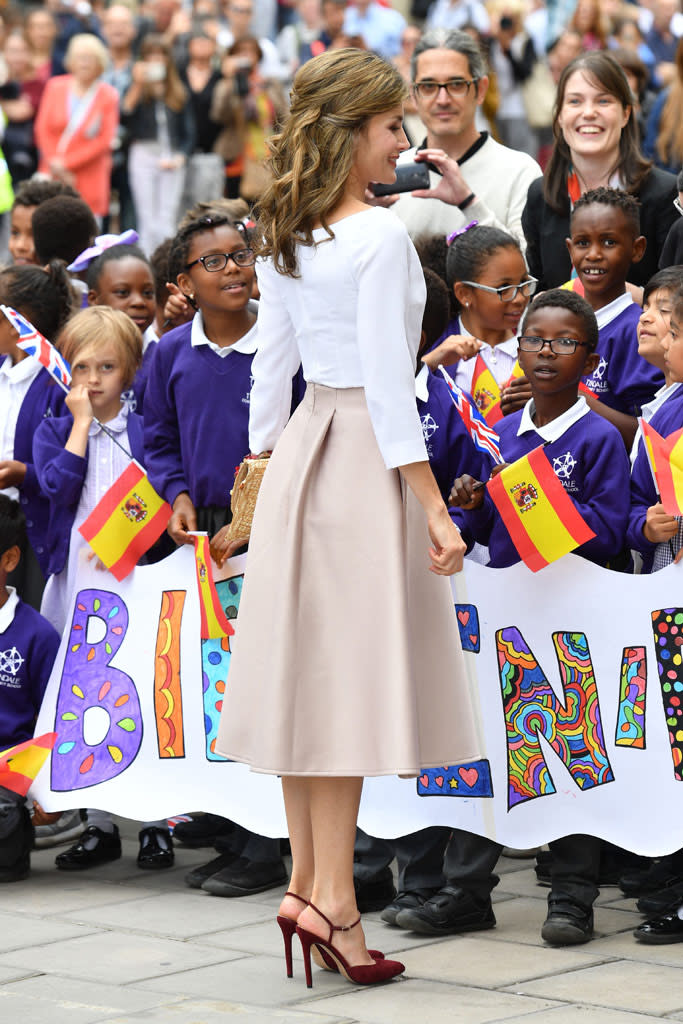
(421, 387)
(8, 609)
(247, 343)
(556, 428)
(649, 409)
(15, 380)
(499, 359)
(612, 310)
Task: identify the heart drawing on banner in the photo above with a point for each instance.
(439, 780)
(463, 616)
(424, 780)
(470, 776)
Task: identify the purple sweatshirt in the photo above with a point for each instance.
(44, 399)
(667, 419)
(450, 448)
(590, 461)
(28, 648)
(623, 380)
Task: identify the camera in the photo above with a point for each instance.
(409, 178)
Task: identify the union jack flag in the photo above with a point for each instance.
(484, 437)
(33, 343)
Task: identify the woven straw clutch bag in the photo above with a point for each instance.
(243, 496)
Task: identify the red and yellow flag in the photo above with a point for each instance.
(19, 765)
(486, 391)
(541, 518)
(214, 623)
(666, 461)
(126, 521)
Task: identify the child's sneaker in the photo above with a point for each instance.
(68, 826)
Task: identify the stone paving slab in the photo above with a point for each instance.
(409, 1000)
(216, 1012)
(639, 987)
(189, 913)
(114, 957)
(54, 999)
(577, 1014)
(478, 961)
(520, 920)
(19, 930)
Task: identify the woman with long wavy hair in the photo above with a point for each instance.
(596, 143)
(348, 662)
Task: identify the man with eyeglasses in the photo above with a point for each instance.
(472, 176)
(672, 250)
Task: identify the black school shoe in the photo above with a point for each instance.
(656, 903)
(376, 893)
(662, 930)
(244, 878)
(413, 900)
(568, 923)
(156, 849)
(659, 875)
(93, 848)
(448, 912)
(203, 830)
(197, 876)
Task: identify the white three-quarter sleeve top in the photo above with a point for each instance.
(353, 318)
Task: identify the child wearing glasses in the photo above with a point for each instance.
(604, 241)
(196, 433)
(557, 347)
(491, 286)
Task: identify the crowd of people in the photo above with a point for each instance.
(540, 261)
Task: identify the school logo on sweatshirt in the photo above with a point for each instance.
(247, 398)
(10, 663)
(563, 467)
(429, 428)
(596, 382)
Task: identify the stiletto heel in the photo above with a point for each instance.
(363, 974)
(322, 959)
(288, 927)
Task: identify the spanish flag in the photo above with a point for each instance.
(19, 765)
(214, 623)
(126, 521)
(486, 391)
(666, 462)
(541, 518)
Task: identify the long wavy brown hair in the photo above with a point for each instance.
(631, 165)
(332, 98)
(670, 138)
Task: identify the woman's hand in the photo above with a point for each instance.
(452, 188)
(222, 548)
(12, 473)
(659, 525)
(467, 492)
(451, 350)
(183, 520)
(515, 395)
(448, 548)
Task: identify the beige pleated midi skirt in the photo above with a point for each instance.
(346, 657)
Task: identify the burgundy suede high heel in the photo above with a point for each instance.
(322, 959)
(288, 927)
(363, 974)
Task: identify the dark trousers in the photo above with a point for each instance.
(257, 849)
(16, 832)
(419, 857)
(471, 859)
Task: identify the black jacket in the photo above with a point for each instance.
(545, 231)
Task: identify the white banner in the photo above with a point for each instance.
(577, 670)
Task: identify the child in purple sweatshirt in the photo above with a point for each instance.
(28, 647)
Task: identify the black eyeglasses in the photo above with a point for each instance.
(455, 87)
(560, 346)
(218, 261)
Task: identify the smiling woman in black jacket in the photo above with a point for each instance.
(596, 143)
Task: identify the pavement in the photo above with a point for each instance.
(123, 946)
